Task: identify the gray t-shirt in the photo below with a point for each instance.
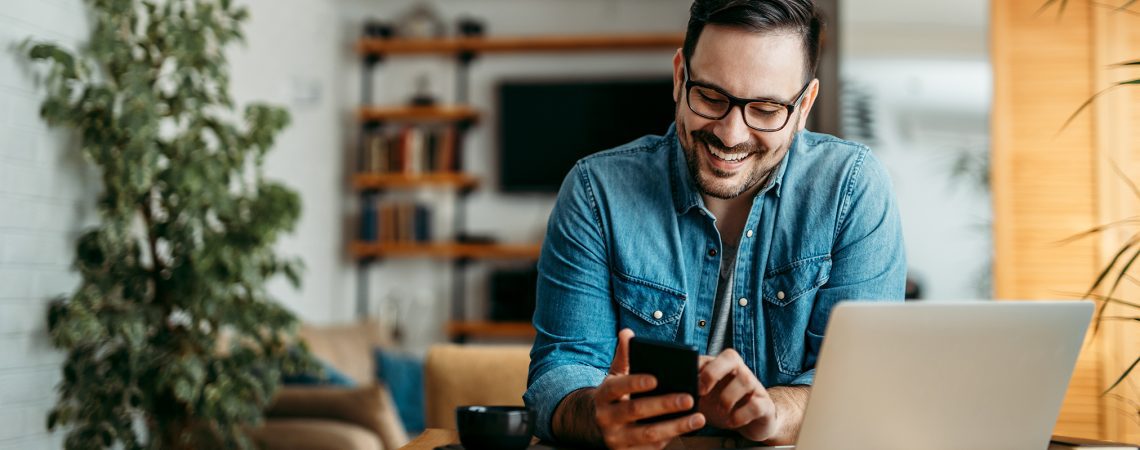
(720, 335)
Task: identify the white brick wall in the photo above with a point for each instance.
(45, 200)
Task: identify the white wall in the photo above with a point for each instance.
(926, 66)
(293, 58)
(44, 201)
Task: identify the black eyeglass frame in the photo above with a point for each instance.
(734, 101)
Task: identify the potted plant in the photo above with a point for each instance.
(1119, 269)
(171, 338)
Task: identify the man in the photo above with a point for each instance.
(736, 232)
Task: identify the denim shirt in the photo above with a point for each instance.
(630, 244)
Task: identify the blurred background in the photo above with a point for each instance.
(426, 219)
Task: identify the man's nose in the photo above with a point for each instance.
(731, 130)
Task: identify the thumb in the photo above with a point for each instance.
(620, 365)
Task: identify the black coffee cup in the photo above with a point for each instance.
(494, 427)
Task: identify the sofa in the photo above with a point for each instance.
(458, 375)
(336, 418)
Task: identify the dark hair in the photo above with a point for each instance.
(798, 17)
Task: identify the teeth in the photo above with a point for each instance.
(728, 156)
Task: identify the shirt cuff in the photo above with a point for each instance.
(804, 379)
(546, 393)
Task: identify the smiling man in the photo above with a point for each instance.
(736, 232)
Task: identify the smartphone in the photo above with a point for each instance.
(674, 365)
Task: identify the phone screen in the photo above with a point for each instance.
(674, 365)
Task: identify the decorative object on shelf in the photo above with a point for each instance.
(172, 340)
(468, 26)
(423, 96)
(422, 21)
(379, 29)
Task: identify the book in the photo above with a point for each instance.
(369, 227)
(1070, 443)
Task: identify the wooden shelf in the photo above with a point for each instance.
(452, 113)
(504, 44)
(461, 181)
(445, 250)
(467, 329)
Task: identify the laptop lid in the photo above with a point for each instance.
(943, 375)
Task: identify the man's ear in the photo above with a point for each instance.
(808, 101)
(678, 75)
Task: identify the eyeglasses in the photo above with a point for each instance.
(714, 103)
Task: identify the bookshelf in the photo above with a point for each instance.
(438, 164)
(445, 250)
(389, 181)
(440, 114)
(517, 44)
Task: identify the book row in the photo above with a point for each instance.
(412, 149)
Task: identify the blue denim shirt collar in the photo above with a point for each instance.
(685, 194)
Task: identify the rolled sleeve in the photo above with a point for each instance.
(574, 319)
(805, 379)
(546, 393)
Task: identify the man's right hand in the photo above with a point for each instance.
(617, 414)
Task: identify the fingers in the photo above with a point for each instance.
(752, 409)
(725, 364)
(655, 435)
(738, 389)
(617, 387)
(627, 412)
(620, 365)
(704, 359)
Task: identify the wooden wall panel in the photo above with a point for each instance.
(1050, 183)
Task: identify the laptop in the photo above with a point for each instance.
(943, 375)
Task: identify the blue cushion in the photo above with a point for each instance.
(404, 376)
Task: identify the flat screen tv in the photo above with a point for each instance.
(547, 126)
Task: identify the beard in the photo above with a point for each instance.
(718, 183)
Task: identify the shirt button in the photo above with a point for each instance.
(748, 233)
(658, 314)
(701, 323)
(780, 295)
(743, 302)
(712, 252)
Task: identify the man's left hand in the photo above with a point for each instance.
(733, 399)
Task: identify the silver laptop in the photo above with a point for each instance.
(943, 375)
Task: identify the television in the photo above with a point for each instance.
(545, 126)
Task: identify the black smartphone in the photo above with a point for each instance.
(674, 365)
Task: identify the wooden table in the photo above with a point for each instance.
(434, 437)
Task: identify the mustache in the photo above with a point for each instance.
(711, 140)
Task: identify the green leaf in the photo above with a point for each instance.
(1108, 268)
(1122, 376)
(1099, 228)
(1089, 102)
(1131, 319)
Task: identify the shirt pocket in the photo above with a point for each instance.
(789, 291)
(649, 309)
(794, 281)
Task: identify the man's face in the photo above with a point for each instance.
(745, 65)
